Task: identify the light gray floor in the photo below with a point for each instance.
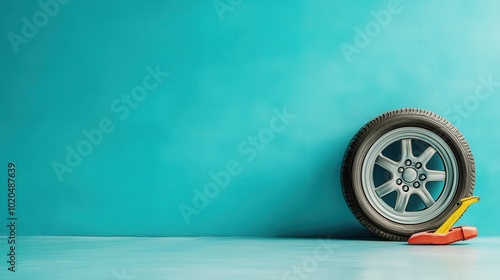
(54, 258)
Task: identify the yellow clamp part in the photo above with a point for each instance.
(464, 204)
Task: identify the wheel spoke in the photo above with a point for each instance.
(387, 163)
(426, 197)
(401, 202)
(426, 155)
(406, 149)
(436, 175)
(386, 188)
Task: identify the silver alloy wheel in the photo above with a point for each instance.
(410, 175)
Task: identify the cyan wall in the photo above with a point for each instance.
(265, 95)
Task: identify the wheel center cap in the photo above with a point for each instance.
(410, 174)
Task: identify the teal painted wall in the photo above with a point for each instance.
(117, 113)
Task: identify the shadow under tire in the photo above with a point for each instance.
(405, 172)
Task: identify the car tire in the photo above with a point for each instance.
(405, 172)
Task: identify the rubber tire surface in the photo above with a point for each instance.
(363, 140)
